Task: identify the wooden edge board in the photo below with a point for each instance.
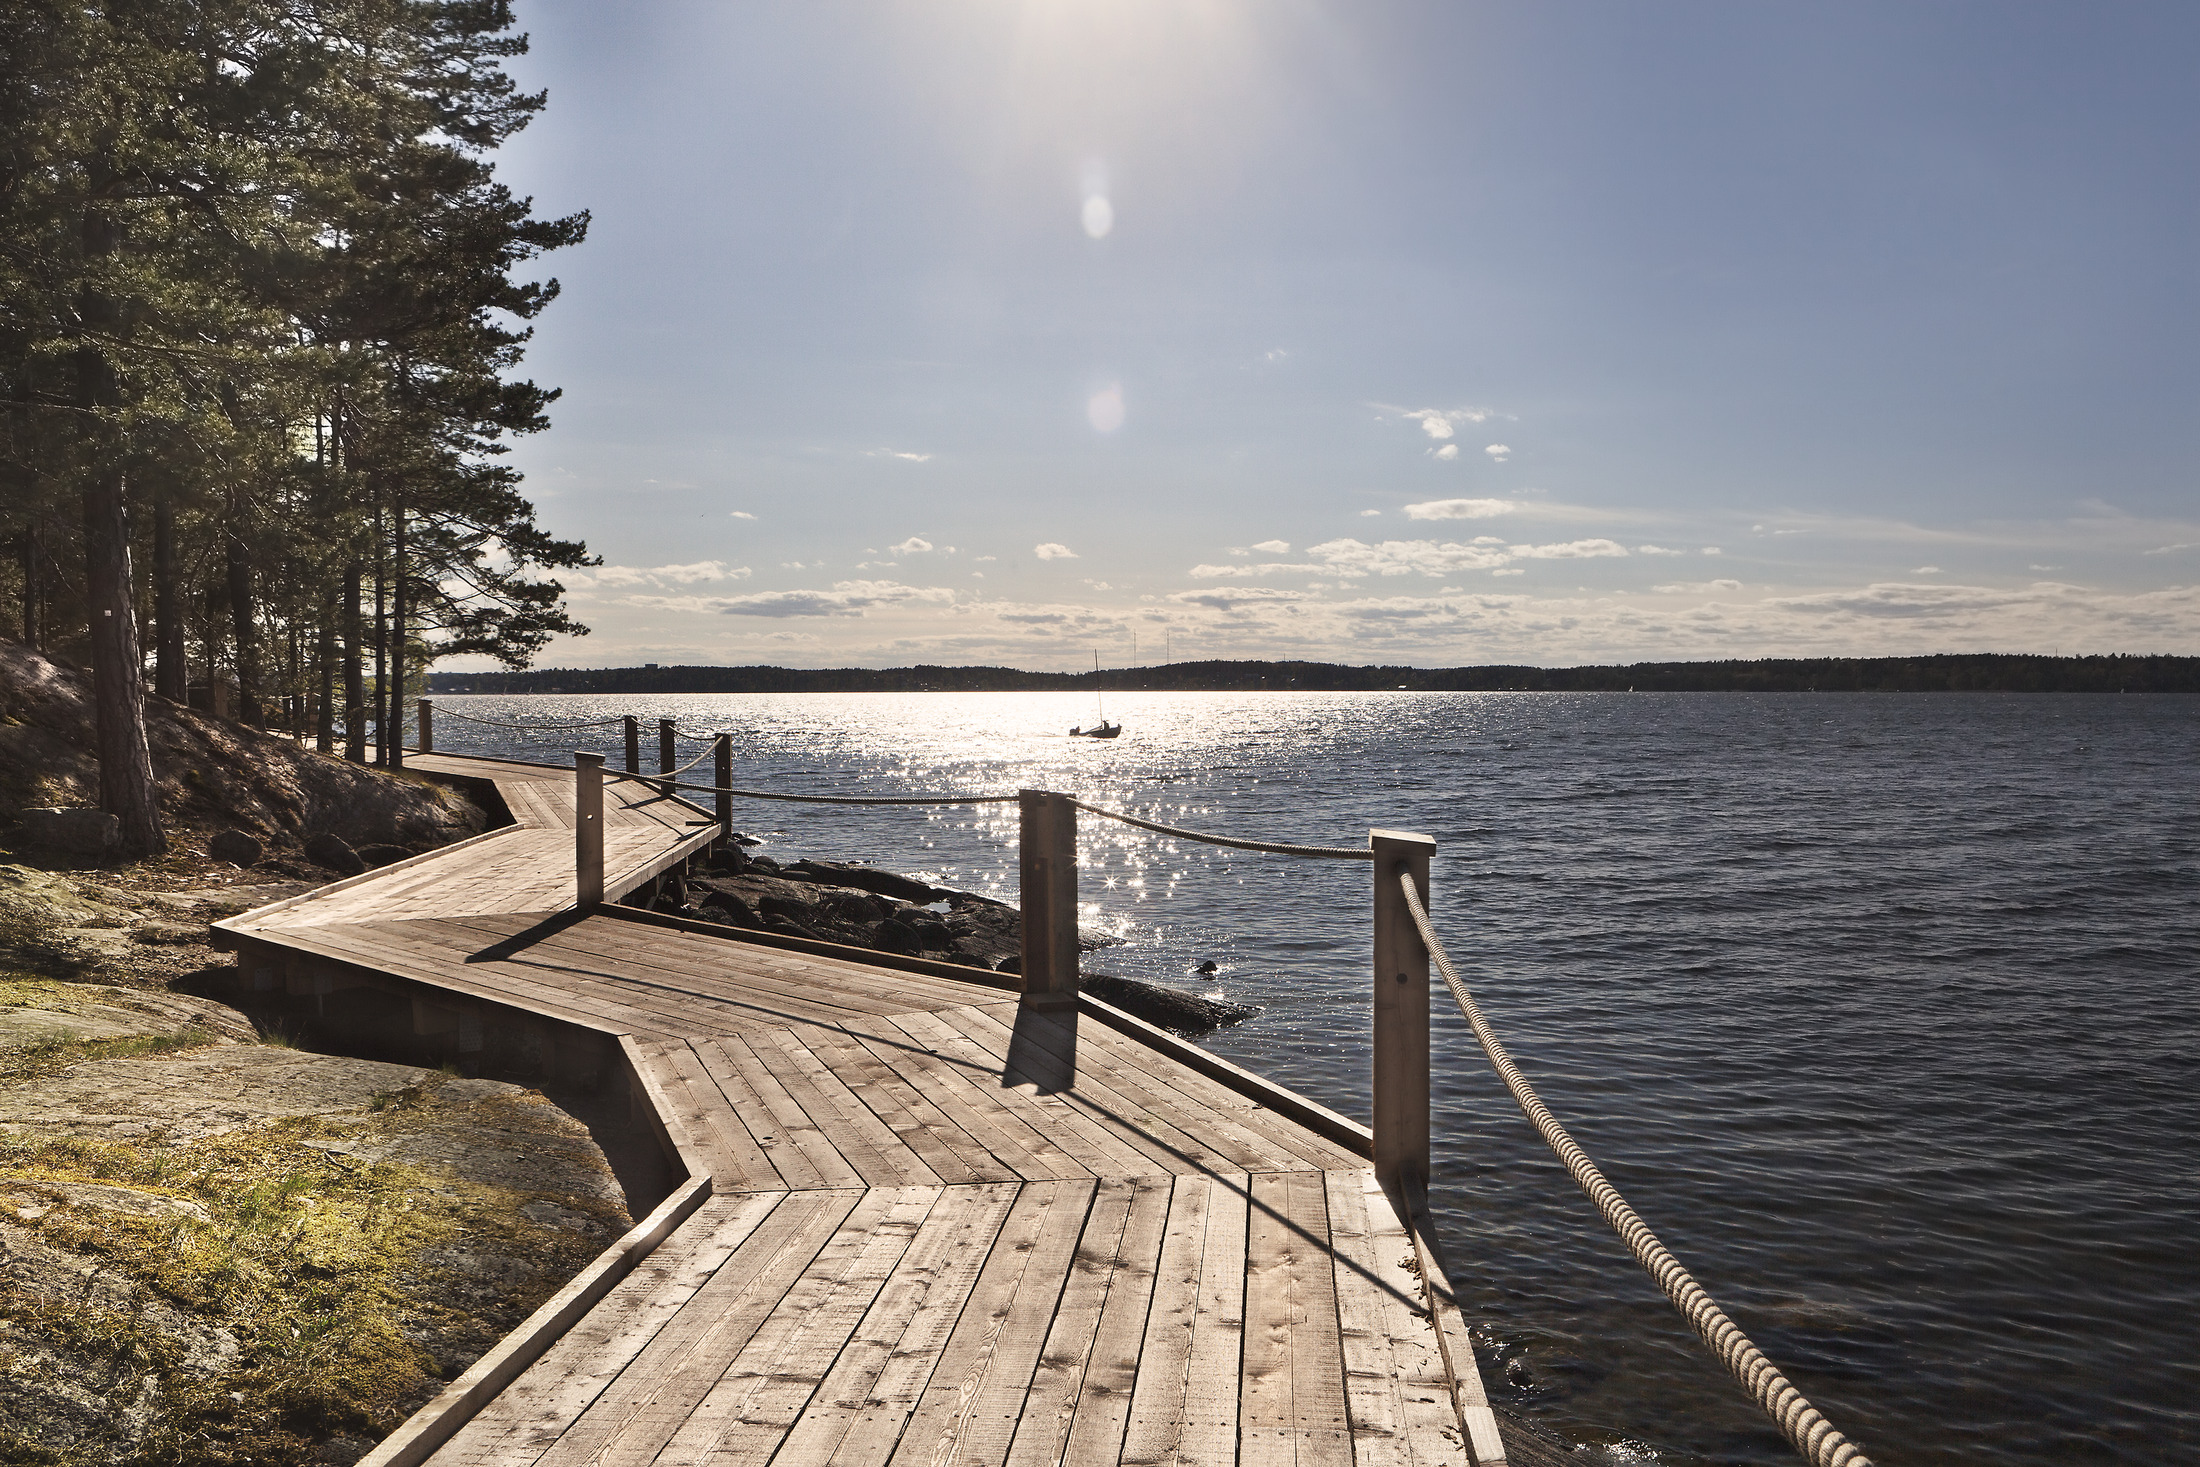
(1476, 1419)
(231, 925)
(1313, 1115)
(633, 876)
(667, 1120)
(862, 956)
(459, 1402)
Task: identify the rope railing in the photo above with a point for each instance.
(659, 781)
(1809, 1431)
(445, 711)
(1273, 848)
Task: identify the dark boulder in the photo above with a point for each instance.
(1168, 1008)
(382, 853)
(74, 832)
(235, 847)
(892, 935)
(334, 852)
(865, 878)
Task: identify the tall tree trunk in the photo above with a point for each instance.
(402, 613)
(171, 676)
(34, 581)
(355, 673)
(381, 647)
(324, 669)
(244, 628)
(118, 669)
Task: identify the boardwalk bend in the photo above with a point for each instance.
(924, 1219)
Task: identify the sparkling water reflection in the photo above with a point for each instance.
(1881, 1009)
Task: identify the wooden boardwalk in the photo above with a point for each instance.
(924, 1222)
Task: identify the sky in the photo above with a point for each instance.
(1024, 331)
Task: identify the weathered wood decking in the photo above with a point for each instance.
(924, 1223)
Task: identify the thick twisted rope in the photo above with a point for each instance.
(446, 712)
(1273, 848)
(1809, 1432)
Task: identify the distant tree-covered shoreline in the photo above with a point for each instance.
(1960, 673)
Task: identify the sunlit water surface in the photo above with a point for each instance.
(1879, 1008)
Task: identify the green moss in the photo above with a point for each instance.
(45, 1056)
(314, 1261)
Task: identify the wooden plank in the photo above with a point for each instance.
(1386, 1275)
(1006, 1136)
(1211, 1398)
(1066, 1132)
(797, 1129)
(765, 1386)
(969, 1409)
(628, 1422)
(863, 1402)
(1157, 1408)
(1111, 1370)
(1050, 1403)
(714, 1122)
(919, 1125)
(1411, 1201)
(1123, 1150)
(869, 1143)
(531, 1413)
(1144, 1110)
(667, 970)
(1293, 1403)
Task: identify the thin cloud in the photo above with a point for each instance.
(914, 545)
(1448, 452)
(1230, 600)
(1570, 550)
(1457, 509)
(1267, 568)
(846, 598)
(739, 514)
(1657, 550)
(1371, 514)
(1053, 551)
(1498, 451)
(1273, 547)
(2171, 549)
(1405, 557)
(1690, 588)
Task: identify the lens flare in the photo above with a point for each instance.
(1105, 410)
(1099, 216)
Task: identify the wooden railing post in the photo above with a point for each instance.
(1401, 1010)
(588, 830)
(633, 744)
(722, 768)
(1046, 863)
(427, 727)
(666, 757)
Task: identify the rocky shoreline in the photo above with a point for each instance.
(861, 906)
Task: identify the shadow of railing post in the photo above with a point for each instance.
(1401, 1062)
(1046, 866)
(587, 830)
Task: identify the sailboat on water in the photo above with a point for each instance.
(1103, 729)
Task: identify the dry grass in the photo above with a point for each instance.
(313, 1260)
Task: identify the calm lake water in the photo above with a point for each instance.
(1881, 1009)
